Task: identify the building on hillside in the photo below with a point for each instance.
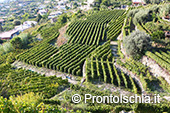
(63, 7)
(42, 7)
(70, 5)
(25, 25)
(46, 1)
(138, 2)
(91, 2)
(86, 6)
(9, 34)
(30, 22)
(62, 2)
(54, 14)
(43, 12)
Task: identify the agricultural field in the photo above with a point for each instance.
(108, 52)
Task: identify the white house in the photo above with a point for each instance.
(30, 22)
(85, 7)
(42, 7)
(70, 5)
(46, 1)
(42, 12)
(54, 14)
(90, 1)
(9, 34)
(62, 2)
(63, 7)
(25, 25)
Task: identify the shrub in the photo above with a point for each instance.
(17, 22)
(28, 103)
(8, 47)
(63, 19)
(16, 42)
(27, 100)
(137, 43)
(25, 38)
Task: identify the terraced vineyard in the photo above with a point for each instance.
(141, 71)
(100, 66)
(161, 57)
(21, 81)
(104, 51)
(70, 57)
(82, 33)
(115, 26)
(97, 69)
(97, 23)
(105, 16)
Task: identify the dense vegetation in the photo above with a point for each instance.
(105, 63)
(115, 27)
(107, 72)
(19, 81)
(96, 22)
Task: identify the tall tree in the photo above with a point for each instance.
(16, 42)
(137, 44)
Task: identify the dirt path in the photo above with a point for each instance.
(62, 38)
(129, 73)
(114, 48)
(155, 68)
(42, 71)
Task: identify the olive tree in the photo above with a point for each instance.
(142, 17)
(132, 13)
(137, 44)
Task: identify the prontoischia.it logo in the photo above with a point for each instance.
(76, 98)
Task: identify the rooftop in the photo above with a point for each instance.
(8, 33)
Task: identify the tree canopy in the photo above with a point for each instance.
(16, 42)
(17, 22)
(137, 44)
